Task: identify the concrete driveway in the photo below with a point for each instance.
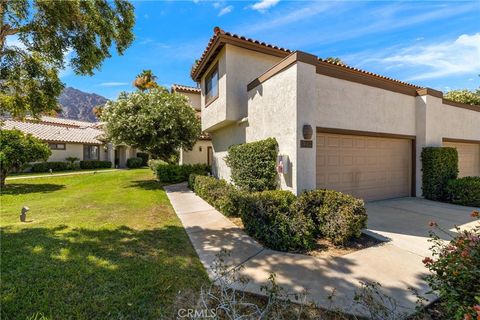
(404, 222)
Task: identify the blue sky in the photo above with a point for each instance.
(434, 44)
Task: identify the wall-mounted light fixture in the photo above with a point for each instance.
(200, 149)
(307, 132)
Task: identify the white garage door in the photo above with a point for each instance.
(366, 167)
(468, 158)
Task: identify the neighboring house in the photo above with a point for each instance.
(72, 138)
(367, 131)
(202, 151)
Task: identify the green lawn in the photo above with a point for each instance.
(95, 246)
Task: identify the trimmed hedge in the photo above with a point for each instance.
(253, 165)
(439, 165)
(225, 197)
(133, 163)
(268, 217)
(465, 191)
(144, 157)
(95, 164)
(337, 217)
(174, 173)
(53, 165)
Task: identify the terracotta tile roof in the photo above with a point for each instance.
(63, 121)
(58, 131)
(182, 88)
(220, 33)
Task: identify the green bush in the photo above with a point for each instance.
(225, 197)
(439, 165)
(253, 165)
(134, 163)
(53, 165)
(144, 157)
(268, 217)
(464, 191)
(154, 163)
(174, 173)
(337, 217)
(95, 164)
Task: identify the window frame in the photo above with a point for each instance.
(56, 144)
(214, 69)
(85, 146)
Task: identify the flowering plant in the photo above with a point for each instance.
(455, 267)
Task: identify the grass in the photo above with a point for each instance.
(94, 246)
(47, 174)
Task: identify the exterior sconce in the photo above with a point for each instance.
(200, 149)
(307, 132)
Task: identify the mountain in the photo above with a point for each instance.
(78, 105)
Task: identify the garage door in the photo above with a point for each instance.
(366, 167)
(468, 158)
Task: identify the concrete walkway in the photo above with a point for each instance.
(395, 268)
(58, 174)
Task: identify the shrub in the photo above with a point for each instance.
(225, 197)
(134, 163)
(52, 165)
(336, 216)
(95, 164)
(267, 216)
(455, 268)
(154, 163)
(173, 173)
(439, 165)
(253, 165)
(144, 157)
(465, 191)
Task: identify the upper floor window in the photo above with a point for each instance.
(211, 85)
(57, 146)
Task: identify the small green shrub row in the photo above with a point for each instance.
(52, 165)
(174, 173)
(337, 216)
(144, 157)
(95, 164)
(282, 221)
(439, 165)
(253, 165)
(154, 163)
(464, 191)
(223, 196)
(134, 162)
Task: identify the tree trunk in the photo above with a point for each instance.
(3, 175)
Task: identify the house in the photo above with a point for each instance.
(202, 151)
(337, 127)
(72, 138)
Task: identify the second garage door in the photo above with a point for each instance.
(371, 168)
(468, 158)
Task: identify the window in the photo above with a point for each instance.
(91, 152)
(211, 85)
(57, 146)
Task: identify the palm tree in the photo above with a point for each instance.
(145, 80)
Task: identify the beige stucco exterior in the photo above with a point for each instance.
(76, 150)
(198, 154)
(282, 103)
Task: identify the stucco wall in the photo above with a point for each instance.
(195, 155)
(272, 113)
(71, 150)
(194, 99)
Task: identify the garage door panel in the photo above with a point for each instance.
(468, 158)
(371, 168)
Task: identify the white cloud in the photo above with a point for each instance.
(457, 57)
(225, 10)
(264, 5)
(113, 84)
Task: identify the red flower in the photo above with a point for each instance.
(467, 316)
(477, 309)
(433, 224)
(475, 214)
(427, 260)
(464, 253)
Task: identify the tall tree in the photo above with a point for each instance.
(145, 80)
(48, 35)
(155, 121)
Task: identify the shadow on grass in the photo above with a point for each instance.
(66, 272)
(146, 184)
(24, 188)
